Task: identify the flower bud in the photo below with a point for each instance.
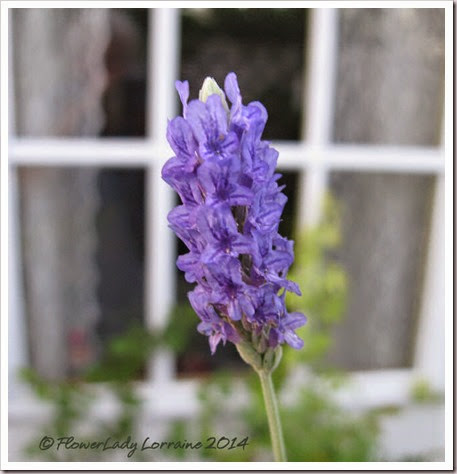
(211, 87)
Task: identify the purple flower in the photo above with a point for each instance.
(212, 325)
(231, 207)
(219, 227)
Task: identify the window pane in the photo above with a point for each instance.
(83, 251)
(196, 357)
(265, 47)
(390, 76)
(79, 72)
(124, 98)
(385, 224)
(120, 250)
(291, 179)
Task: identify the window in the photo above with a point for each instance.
(381, 174)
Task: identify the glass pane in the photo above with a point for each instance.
(124, 98)
(385, 231)
(291, 179)
(79, 72)
(390, 82)
(120, 252)
(196, 358)
(83, 250)
(264, 47)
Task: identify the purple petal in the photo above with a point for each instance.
(231, 88)
(210, 254)
(296, 320)
(183, 92)
(198, 118)
(293, 340)
(246, 305)
(182, 141)
(240, 196)
(191, 265)
(242, 245)
(208, 121)
(234, 310)
(273, 338)
(217, 113)
(231, 333)
(214, 340)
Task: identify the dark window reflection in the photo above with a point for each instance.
(291, 180)
(124, 99)
(120, 219)
(265, 47)
(120, 251)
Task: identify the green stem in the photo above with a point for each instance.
(274, 421)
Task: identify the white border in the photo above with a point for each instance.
(448, 135)
(232, 466)
(227, 3)
(4, 190)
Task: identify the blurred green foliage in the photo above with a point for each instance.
(72, 401)
(315, 428)
(182, 323)
(125, 358)
(422, 392)
(69, 402)
(323, 284)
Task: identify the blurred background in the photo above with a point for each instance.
(102, 340)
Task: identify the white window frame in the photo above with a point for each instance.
(314, 156)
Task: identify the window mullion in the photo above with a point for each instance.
(429, 348)
(319, 110)
(160, 248)
(320, 85)
(163, 54)
(429, 355)
(102, 152)
(17, 332)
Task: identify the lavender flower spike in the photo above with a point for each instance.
(231, 208)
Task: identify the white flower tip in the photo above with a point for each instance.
(211, 87)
